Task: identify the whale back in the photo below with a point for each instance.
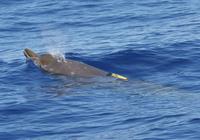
(69, 67)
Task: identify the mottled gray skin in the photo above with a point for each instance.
(68, 67)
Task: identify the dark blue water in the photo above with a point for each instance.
(155, 43)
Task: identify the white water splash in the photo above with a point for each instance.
(55, 42)
(60, 56)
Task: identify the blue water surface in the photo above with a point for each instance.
(155, 43)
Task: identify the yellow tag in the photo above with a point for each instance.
(119, 76)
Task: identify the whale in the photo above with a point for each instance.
(57, 65)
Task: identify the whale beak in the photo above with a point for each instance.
(29, 54)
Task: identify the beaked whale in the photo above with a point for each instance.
(52, 64)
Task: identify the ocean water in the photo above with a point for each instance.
(155, 43)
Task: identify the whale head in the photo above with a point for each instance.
(39, 60)
(29, 53)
